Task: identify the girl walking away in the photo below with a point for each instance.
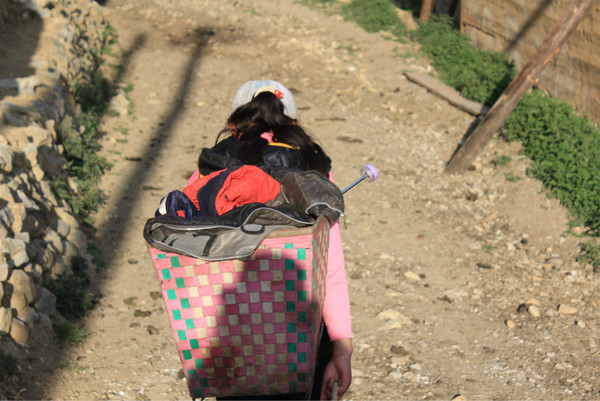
(262, 130)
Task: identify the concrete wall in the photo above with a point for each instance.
(519, 26)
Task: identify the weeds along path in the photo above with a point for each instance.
(438, 265)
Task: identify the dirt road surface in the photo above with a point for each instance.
(460, 285)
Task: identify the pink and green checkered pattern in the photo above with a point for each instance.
(249, 327)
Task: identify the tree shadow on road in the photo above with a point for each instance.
(109, 235)
(54, 356)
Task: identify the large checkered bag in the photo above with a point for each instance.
(249, 327)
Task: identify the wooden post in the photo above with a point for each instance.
(427, 8)
(517, 88)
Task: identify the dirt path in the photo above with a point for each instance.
(447, 274)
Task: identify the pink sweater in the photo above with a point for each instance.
(336, 309)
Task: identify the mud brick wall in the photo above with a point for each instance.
(519, 26)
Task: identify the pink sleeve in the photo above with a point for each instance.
(336, 308)
(194, 177)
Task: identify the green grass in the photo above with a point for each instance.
(407, 54)
(564, 149)
(375, 16)
(562, 145)
(73, 298)
(511, 177)
(590, 253)
(318, 2)
(130, 105)
(8, 365)
(371, 15)
(80, 137)
(97, 257)
(68, 333)
(479, 75)
(501, 161)
(93, 94)
(67, 366)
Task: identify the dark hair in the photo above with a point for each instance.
(265, 113)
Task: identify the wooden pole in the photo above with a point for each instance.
(518, 87)
(427, 8)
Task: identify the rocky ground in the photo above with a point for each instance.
(461, 285)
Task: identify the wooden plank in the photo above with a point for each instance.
(494, 120)
(446, 92)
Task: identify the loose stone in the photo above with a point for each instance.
(412, 276)
(534, 311)
(564, 309)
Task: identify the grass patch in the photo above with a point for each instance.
(375, 16)
(501, 161)
(562, 145)
(97, 257)
(130, 105)
(80, 138)
(8, 365)
(564, 149)
(318, 2)
(590, 253)
(67, 366)
(407, 54)
(73, 298)
(93, 95)
(511, 177)
(479, 75)
(68, 333)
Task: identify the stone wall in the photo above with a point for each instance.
(519, 26)
(39, 234)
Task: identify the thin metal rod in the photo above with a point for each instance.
(349, 187)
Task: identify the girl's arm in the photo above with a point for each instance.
(336, 314)
(336, 308)
(338, 370)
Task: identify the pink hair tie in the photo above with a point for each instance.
(268, 136)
